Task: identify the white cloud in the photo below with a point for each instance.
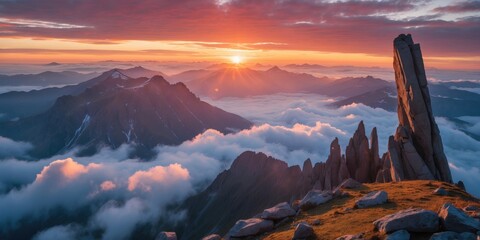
(67, 232)
(123, 192)
(10, 148)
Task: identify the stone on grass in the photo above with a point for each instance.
(303, 231)
(279, 211)
(250, 227)
(440, 191)
(412, 220)
(315, 198)
(372, 199)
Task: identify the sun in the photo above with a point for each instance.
(236, 59)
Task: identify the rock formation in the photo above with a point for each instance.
(416, 150)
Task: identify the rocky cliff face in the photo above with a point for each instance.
(416, 150)
(254, 181)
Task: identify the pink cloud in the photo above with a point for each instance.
(166, 176)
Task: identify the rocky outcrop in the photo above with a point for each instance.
(332, 172)
(362, 159)
(253, 183)
(416, 150)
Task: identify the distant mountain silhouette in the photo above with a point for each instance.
(53, 64)
(119, 109)
(44, 79)
(23, 104)
(446, 102)
(231, 81)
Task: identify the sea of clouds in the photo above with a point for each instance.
(117, 194)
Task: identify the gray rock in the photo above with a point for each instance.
(471, 208)
(315, 198)
(279, 211)
(440, 191)
(467, 236)
(350, 184)
(372, 199)
(250, 227)
(351, 237)
(212, 237)
(316, 222)
(454, 219)
(166, 236)
(412, 220)
(303, 231)
(449, 235)
(398, 235)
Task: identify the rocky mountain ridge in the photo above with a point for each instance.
(119, 109)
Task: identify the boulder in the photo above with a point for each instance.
(449, 235)
(350, 184)
(467, 236)
(440, 191)
(454, 219)
(250, 227)
(166, 236)
(372, 199)
(398, 235)
(303, 231)
(315, 198)
(412, 220)
(278, 212)
(351, 237)
(212, 237)
(471, 208)
(316, 222)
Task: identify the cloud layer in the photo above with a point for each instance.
(122, 194)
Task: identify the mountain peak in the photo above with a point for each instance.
(274, 69)
(117, 74)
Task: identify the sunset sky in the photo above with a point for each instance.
(326, 32)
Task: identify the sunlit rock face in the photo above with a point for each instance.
(416, 150)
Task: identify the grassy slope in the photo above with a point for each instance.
(338, 217)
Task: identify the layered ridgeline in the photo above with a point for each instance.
(19, 104)
(119, 109)
(256, 181)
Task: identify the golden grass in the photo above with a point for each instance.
(338, 217)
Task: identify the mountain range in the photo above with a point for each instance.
(119, 109)
(45, 79)
(17, 104)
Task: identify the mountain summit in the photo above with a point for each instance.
(119, 109)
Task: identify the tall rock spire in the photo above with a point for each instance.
(416, 151)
